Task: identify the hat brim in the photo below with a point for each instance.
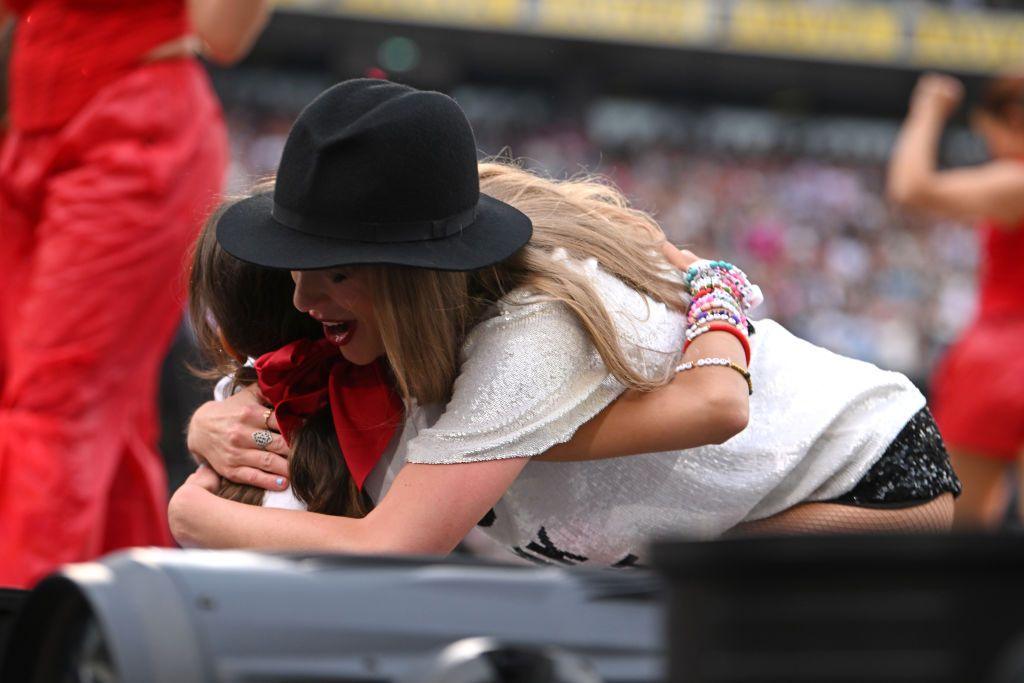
(248, 231)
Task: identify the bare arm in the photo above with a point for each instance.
(228, 28)
(703, 406)
(428, 510)
(992, 190)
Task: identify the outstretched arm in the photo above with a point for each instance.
(992, 190)
(228, 28)
(428, 510)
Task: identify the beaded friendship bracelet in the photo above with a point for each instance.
(716, 326)
(720, 294)
(703, 273)
(720, 362)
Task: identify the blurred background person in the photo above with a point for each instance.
(978, 388)
(115, 151)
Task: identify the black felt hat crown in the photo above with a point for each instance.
(374, 172)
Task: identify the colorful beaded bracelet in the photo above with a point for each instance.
(750, 294)
(693, 332)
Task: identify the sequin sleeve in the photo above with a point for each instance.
(530, 377)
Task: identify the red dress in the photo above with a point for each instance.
(978, 388)
(110, 165)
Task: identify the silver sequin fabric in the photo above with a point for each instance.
(530, 377)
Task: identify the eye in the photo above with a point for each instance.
(338, 277)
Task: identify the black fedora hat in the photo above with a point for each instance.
(374, 172)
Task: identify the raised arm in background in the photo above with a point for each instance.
(227, 29)
(991, 190)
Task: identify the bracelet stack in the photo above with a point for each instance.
(720, 295)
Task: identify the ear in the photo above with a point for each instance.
(229, 350)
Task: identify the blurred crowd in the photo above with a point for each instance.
(838, 265)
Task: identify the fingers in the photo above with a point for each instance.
(268, 461)
(258, 478)
(206, 478)
(679, 258)
(254, 415)
(241, 439)
(939, 89)
(253, 391)
(943, 83)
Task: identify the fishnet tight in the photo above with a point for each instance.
(831, 518)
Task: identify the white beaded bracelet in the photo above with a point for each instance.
(721, 362)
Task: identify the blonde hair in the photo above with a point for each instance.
(425, 315)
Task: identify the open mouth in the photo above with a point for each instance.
(340, 333)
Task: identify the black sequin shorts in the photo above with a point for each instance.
(914, 469)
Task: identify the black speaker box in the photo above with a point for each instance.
(10, 603)
(843, 609)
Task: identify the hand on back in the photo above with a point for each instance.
(224, 434)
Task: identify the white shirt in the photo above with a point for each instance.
(530, 377)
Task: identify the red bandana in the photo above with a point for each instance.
(302, 377)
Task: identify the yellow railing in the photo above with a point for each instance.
(872, 32)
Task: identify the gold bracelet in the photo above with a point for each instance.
(721, 362)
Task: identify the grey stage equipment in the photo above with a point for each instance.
(166, 616)
(486, 660)
(936, 609)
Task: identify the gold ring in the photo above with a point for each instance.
(266, 418)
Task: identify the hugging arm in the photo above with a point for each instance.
(703, 406)
(220, 433)
(428, 510)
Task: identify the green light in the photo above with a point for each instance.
(398, 54)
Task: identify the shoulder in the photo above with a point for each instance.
(639, 321)
(526, 336)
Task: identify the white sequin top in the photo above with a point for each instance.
(530, 377)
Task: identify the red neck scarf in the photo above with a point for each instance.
(302, 377)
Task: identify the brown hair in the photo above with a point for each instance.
(1001, 94)
(586, 217)
(239, 310)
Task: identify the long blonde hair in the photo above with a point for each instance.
(425, 315)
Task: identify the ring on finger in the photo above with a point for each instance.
(266, 419)
(262, 438)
